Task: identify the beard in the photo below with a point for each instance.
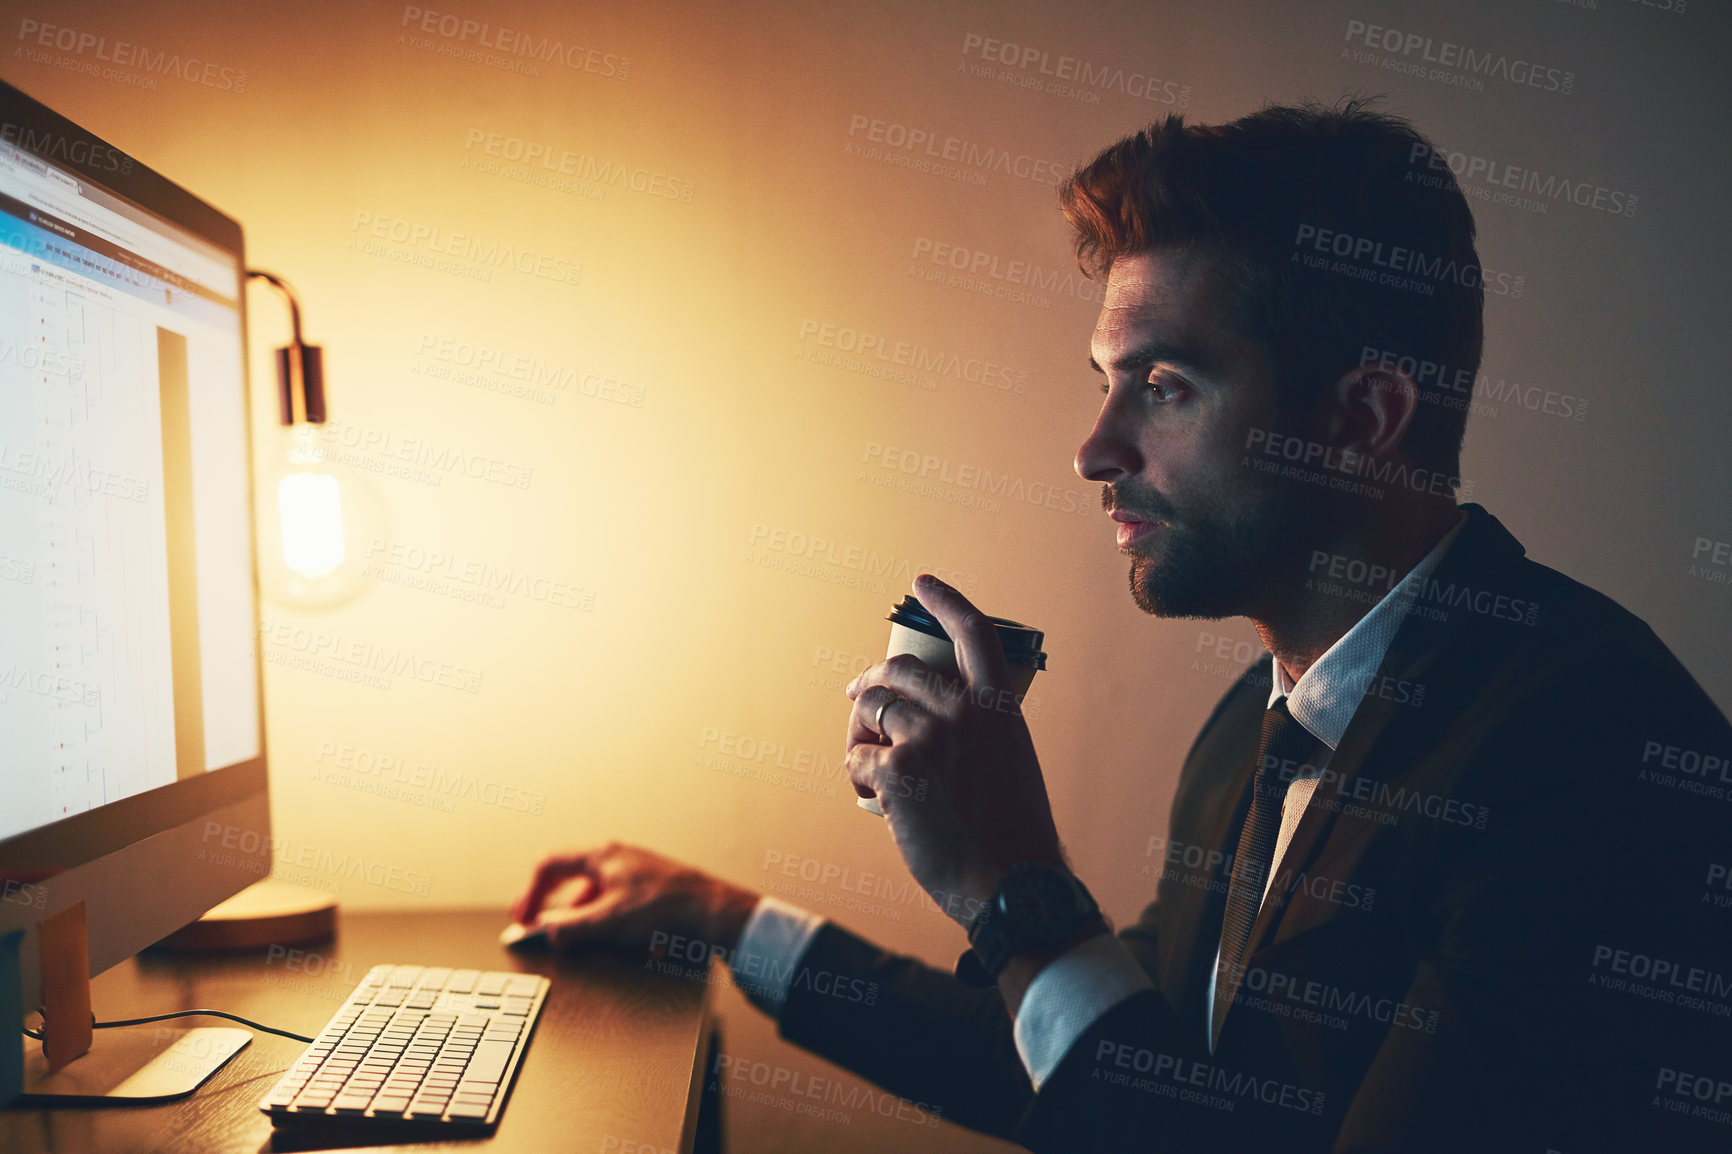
(1216, 562)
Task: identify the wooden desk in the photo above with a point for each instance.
(616, 1063)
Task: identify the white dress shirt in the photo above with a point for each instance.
(1074, 990)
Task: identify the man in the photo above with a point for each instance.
(1435, 874)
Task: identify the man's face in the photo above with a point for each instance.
(1206, 534)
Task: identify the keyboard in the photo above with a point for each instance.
(415, 1046)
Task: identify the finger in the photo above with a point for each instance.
(979, 653)
(910, 677)
(861, 733)
(549, 875)
(883, 717)
(575, 891)
(867, 766)
(594, 923)
(861, 717)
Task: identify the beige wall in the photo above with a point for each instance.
(666, 517)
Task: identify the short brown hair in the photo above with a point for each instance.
(1259, 193)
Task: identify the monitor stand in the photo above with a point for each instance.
(134, 1064)
(148, 1063)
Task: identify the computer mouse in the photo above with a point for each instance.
(519, 936)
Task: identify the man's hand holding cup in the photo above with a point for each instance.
(948, 756)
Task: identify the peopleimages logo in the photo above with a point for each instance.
(441, 459)
(1452, 387)
(876, 567)
(1073, 76)
(924, 467)
(917, 359)
(581, 166)
(482, 255)
(975, 269)
(1456, 64)
(53, 146)
(125, 54)
(461, 31)
(33, 357)
(1266, 448)
(1404, 268)
(930, 144)
(1500, 176)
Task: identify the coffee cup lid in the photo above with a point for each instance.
(1021, 643)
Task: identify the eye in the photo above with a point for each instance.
(1165, 387)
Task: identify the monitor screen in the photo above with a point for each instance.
(127, 600)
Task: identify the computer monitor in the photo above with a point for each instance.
(132, 749)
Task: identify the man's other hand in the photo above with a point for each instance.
(621, 896)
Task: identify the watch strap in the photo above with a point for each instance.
(970, 971)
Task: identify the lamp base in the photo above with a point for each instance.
(266, 913)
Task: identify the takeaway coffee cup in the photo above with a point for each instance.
(916, 631)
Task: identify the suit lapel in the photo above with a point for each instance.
(1209, 813)
(1484, 548)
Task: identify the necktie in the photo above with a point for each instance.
(1284, 743)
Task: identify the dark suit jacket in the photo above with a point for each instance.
(1494, 929)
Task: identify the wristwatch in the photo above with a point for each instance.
(1036, 908)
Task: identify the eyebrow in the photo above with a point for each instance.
(1149, 354)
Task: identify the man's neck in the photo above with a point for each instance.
(1370, 560)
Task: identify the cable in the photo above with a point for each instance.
(37, 1034)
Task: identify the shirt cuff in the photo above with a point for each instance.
(770, 947)
(1069, 995)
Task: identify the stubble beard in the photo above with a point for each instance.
(1210, 565)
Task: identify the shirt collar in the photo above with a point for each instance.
(1326, 696)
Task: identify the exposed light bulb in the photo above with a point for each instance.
(312, 523)
(316, 526)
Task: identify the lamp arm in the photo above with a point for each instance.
(298, 363)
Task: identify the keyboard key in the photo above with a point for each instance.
(463, 981)
(489, 1061)
(465, 1110)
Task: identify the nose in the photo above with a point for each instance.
(1110, 450)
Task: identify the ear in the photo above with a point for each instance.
(1368, 409)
